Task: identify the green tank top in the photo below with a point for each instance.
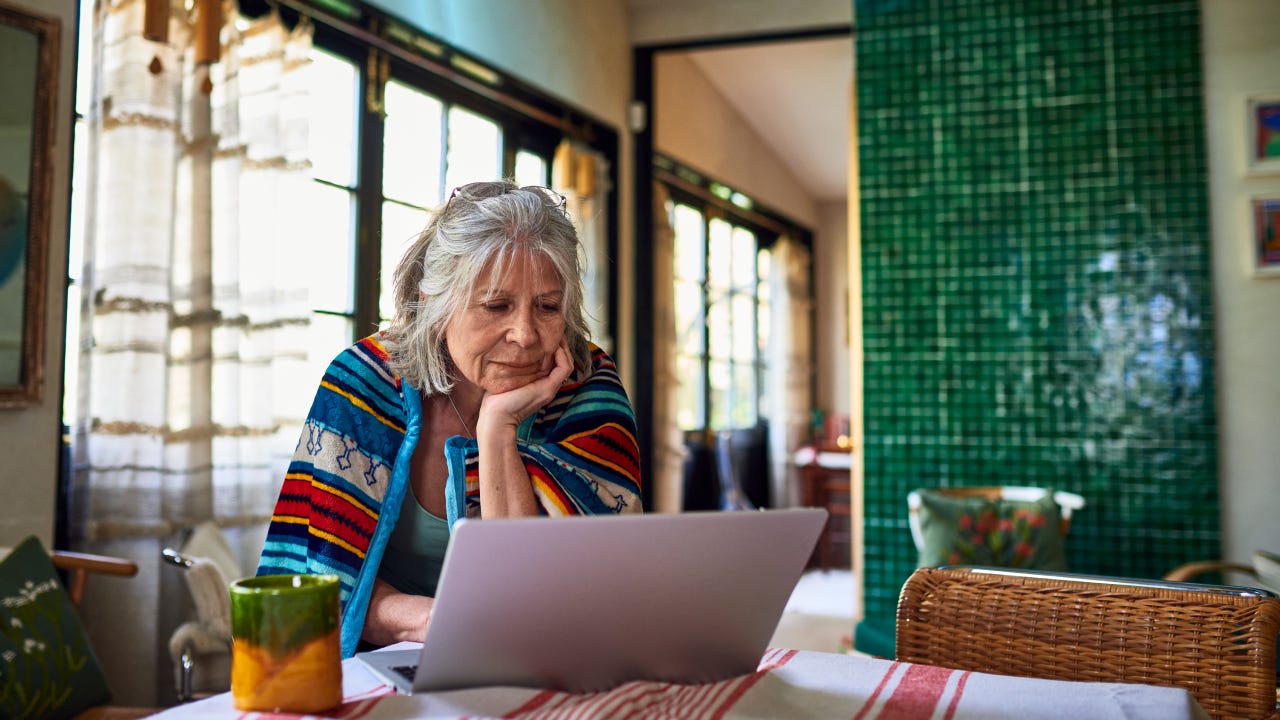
(414, 554)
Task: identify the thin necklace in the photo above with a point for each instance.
(470, 434)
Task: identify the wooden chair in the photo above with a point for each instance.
(1218, 642)
(78, 566)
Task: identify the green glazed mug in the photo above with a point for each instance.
(286, 655)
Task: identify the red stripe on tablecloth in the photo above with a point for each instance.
(771, 662)
(532, 703)
(715, 698)
(776, 659)
(884, 682)
(362, 707)
(917, 694)
(612, 704)
(955, 697)
(561, 706)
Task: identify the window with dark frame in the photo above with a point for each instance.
(723, 266)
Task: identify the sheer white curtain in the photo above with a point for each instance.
(582, 176)
(195, 311)
(790, 366)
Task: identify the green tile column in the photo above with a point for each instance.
(1036, 298)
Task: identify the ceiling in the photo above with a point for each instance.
(795, 95)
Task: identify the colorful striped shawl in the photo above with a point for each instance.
(352, 461)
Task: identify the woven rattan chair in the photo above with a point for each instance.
(1218, 642)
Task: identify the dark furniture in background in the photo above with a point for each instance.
(705, 487)
(829, 487)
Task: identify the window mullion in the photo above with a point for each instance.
(707, 393)
(369, 205)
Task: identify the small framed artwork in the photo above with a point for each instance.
(1266, 235)
(1264, 133)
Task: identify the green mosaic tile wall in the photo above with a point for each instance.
(1036, 271)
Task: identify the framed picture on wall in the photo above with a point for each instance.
(1263, 134)
(1266, 235)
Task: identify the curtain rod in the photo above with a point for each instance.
(430, 65)
(763, 221)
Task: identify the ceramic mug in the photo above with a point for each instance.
(286, 655)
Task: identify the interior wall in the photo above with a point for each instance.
(653, 22)
(33, 433)
(831, 297)
(1241, 56)
(695, 125)
(571, 49)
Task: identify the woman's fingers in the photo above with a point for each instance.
(522, 402)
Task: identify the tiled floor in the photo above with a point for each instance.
(819, 615)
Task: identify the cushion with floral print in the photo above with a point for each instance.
(1000, 533)
(47, 669)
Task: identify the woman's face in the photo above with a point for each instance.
(506, 334)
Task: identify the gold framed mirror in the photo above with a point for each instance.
(29, 85)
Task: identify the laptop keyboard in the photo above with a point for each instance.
(408, 671)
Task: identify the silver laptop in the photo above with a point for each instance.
(588, 603)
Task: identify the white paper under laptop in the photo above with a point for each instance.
(587, 603)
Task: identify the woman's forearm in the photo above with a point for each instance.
(505, 487)
(394, 616)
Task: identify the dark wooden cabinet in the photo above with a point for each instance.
(826, 477)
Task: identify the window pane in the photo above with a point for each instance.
(411, 146)
(763, 326)
(531, 169)
(690, 253)
(79, 191)
(744, 396)
(719, 257)
(330, 259)
(743, 328)
(689, 325)
(719, 332)
(764, 402)
(764, 263)
(333, 91)
(718, 395)
(764, 266)
(743, 247)
(84, 60)
(475, 149)
(71, 359)
(689, 410)
(329, 335)
(400, 225)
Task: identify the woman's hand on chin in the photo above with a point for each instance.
(508, 409)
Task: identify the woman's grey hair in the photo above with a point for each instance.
(482, 224)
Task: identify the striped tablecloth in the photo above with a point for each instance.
(788, 684)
